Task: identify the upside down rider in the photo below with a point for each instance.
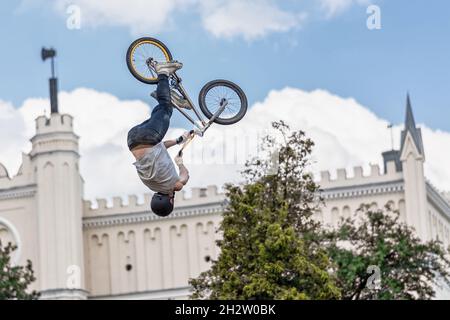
(145, 141)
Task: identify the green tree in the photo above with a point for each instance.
(408, 267)
(14, 280)
(269, 247)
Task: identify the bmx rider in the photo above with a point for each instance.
(153, 163)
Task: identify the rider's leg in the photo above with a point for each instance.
(153, 130)
(160, 118)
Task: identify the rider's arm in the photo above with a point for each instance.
(170, 143)
(179, 140)
(184, 177)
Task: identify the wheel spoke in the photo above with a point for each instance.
(214, 97)
(142, 53)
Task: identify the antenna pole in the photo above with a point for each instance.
(53, 67)
(53, 81)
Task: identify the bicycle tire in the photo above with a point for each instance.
(129, 57)
(209, 114)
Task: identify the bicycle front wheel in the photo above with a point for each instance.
(217, 92)
(141, 53)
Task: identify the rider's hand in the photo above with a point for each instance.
(182, 139)
(178, 160)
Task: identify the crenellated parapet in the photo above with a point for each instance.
(56, 123)
(54, 134)
(443, 196)
(355, 177)
(198, 197)
(24, 176)
(447, 196)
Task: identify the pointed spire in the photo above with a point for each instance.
(409, 120)
(410, 126)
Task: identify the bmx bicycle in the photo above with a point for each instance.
(221, 101)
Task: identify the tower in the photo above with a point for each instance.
(412, 158)
(55, 160)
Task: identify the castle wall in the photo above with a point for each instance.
(342, 208)
(165, 253)
(349, 190)
(345, 194)
(18, 224)
(130, 250)
(125, 251)
(439, 226)
(18, 218)
(438, 221)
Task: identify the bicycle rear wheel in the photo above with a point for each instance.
(218, 91)
(139, 55)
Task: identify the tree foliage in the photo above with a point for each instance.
(269, 247)
(14, 280)
(272, 248)
(409, 268)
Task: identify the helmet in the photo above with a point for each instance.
(162, 204)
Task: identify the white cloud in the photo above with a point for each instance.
(12, 135)
(335, 7)
(141, 16)
(346, 134)
(250, 19)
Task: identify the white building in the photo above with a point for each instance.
(125, 251)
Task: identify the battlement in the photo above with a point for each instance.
(198, 196)
(447, 196)
(357, 177)
(23, 177)
(54, 134)
(56, 123)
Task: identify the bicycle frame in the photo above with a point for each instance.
(176, 83)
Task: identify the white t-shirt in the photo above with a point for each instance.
(157, 170)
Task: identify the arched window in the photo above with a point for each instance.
(9, 234)
(346, 212)
(334, 216)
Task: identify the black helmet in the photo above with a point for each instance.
(162, 204)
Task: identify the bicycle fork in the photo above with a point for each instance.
(223, 104)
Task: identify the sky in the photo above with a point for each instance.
(313, 62)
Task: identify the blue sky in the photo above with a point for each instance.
(339, 54)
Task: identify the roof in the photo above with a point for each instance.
(410, 126)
